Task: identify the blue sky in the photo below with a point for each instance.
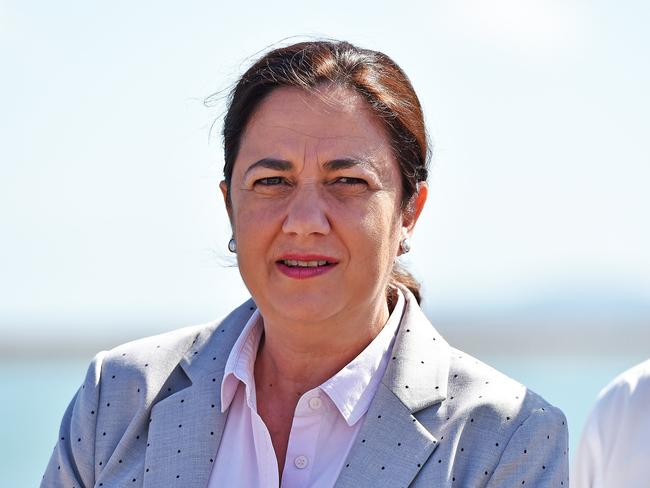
(109, 205)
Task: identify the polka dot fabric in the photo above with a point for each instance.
(148, 414)
(460, 423)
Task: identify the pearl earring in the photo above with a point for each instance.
(405, 245)
(232, 245)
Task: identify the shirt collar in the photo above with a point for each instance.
(351, 389)
(240, 365)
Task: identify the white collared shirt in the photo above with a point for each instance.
(614, 450)
(325, 423)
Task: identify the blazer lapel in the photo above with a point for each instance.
(392, 446)
(185, 427)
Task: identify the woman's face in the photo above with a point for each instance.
(315, 205)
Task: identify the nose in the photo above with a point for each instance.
(306, 214)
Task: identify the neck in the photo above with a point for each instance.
(296, 357)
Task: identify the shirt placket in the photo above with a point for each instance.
(305, 430)
(267, 465)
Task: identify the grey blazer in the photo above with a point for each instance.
(148, 415)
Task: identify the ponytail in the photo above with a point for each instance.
(401, 276)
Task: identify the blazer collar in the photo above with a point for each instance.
(390, 448)
(419, 368)
(188, 450)
(211, 349)
(392, 445)
(417, 373)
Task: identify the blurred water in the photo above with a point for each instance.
(35, 395)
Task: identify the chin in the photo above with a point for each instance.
(306, 307)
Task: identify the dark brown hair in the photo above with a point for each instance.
(372, 74)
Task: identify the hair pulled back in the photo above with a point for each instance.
(372, 74)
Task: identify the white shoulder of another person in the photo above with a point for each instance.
(613, 447)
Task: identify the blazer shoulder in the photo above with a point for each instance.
(171, 346)
(498, 432)
(477, 390)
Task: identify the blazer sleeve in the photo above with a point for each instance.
(537, 453)
(72, 462)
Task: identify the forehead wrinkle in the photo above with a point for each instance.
(356, 156)
(304, 132)
(354, 146)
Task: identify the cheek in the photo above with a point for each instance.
(254, 230)
(256, 225)
(255, 216)
(374, 232)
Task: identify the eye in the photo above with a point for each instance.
(270, 181)
(346, 180)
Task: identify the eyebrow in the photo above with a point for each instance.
(270, 163)
(333, 165)
(345, 163)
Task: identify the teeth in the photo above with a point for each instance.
(303, 264)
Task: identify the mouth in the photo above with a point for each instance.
(305, 266)
(295, 263)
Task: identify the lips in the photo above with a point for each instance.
(294, 263)
(303, 266)
(295, 259)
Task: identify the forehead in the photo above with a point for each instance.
(331, 122)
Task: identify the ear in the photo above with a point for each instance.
(224, 191)
(414, 208)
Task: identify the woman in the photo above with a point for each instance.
(330, 375)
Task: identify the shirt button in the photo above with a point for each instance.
(315, 403)
(301, 462)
